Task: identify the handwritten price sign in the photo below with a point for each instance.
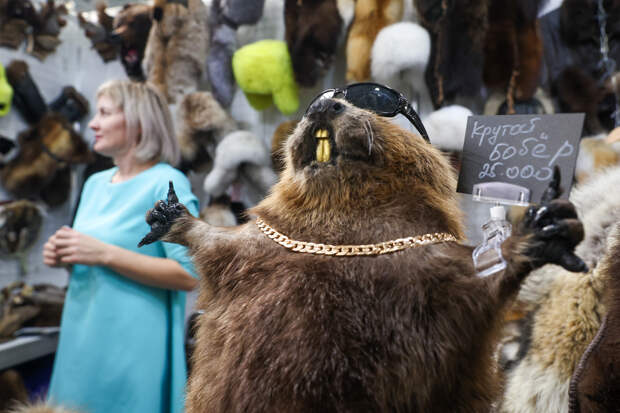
(511, 158)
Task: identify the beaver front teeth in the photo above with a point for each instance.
(323, 149)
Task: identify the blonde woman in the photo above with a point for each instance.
(121, 340)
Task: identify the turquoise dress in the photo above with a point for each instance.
(121, 343)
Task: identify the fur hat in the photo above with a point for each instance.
(201, 125)
(242, 157)
(224, 18)
(446, 127)
(26, 96)
(46, 31)
(370, 18)
(16, 17)
(263, 70)
(131, 28)
(177, 47)
(513, 50)
(6, 93)
(41, 168)
(99, 34)
(457, 47)
(279, 137)
(312, 27)
(20, 225)
(70, 104)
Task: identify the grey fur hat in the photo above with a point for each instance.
(224, 18)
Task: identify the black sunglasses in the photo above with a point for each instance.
(377, 98)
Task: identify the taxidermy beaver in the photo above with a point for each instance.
(398, 326)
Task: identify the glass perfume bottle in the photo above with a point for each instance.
(487, 256)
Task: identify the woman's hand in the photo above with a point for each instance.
(73, 247)
(50, 255)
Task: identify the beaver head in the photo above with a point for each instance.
(343, 163)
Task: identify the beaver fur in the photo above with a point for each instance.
(406, 331)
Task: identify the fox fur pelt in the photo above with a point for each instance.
(595, 386)
(370, 17)
(563, 310)
(458, 30)
(176, 50)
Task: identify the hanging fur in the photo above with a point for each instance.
(44, 38)
(564, 310)
(46, 152)
(595, 154)
(446, 127)
(403, 67)
(177, 47)
(224, 18)
(132, 25)
(26, 96)
(595, 385)
(241, 157)
(202, 123)
(513, 50)
(458, 30)
(99, 33)
(16, 17)
(312, 31)
(370, 17)
(70, 104)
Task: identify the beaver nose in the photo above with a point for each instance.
(326, 106)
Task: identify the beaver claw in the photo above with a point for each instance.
(162, 216)
(557, 231)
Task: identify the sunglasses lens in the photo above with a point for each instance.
(375, 98)
(328, 94)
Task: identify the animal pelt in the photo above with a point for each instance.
(99, 33)
(446, 127)
(26, 95)
(46, 152)
(12, 389)
(225, 17)
(71, 104)
(131, 28)
(513, 51)
(370, 17)
(577, 91)
(278, 141)
(20, 225)
(411, 330)
(312, 31)
(177, 48)
(595, 154)
(16, 18)
(458, 31)
(46, 30)
(241, 157)
(595, 385)
(402, 67)
(539, 104)
(8, 150)
(201, 124)
(563, 310)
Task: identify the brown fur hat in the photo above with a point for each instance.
(201, 124)
(16, 16)
(41, 169)
(312, 30)
(131, 28)
(513, 49)
(458, 31)
(278, 139)
(46, 31)
(99, 33)
(176, 50)
(370, 18)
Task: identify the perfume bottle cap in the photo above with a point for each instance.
(498, 213)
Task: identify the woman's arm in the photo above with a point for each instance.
(73, 247)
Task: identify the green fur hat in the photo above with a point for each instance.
(263, 70)
(6, 93)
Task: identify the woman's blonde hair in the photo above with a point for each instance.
(147, 117)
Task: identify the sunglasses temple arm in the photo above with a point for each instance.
(412, 115)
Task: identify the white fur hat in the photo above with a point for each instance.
(446, 127)
(241, 155)
(399, 47)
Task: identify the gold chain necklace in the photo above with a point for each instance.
(352, 250)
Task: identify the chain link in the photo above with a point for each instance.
(353, 250)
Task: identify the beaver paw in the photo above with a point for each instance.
(556, 230)
(162, 216)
